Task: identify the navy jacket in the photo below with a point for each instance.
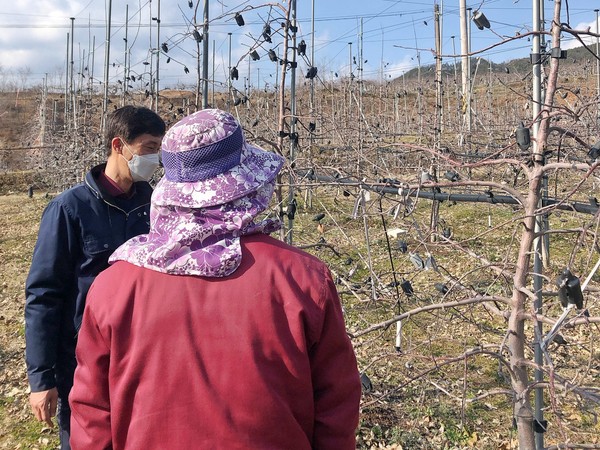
(79, 230)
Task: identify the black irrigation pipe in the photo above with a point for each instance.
(488, 197)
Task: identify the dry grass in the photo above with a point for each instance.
(19, 219)
(416, 402)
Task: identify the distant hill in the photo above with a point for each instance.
(576, 56)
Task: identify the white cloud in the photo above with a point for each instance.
(571, 42)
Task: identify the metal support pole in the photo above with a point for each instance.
(597, 67)
(106, 65)
(91, 77)
(229, 82)
(72, 74)
(469, 80)
(66, 112)
(293, 119)
(205, 61)
(125, 59)
(213, 74)
(359, 68)
(312, 80)
(464, 65)
(456, 96)
(349, 78)
(158, 50)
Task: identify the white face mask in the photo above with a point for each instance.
(142, 167)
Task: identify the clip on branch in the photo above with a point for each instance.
(197, 36)
(302, 48)
(312, 72)
(594, 152)
(266, 33)
(480, 20)
(239, 19)
(523, 137)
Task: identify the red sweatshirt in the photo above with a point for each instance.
(256, 360)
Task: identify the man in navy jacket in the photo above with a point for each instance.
(79, 230)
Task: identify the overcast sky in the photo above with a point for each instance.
(396, 36)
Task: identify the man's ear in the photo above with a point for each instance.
(116, 145)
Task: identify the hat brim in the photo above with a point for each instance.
(257, 167)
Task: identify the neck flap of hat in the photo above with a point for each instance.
(202, 241)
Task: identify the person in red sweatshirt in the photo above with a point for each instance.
(206, 332)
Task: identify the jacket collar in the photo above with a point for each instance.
(91, 181)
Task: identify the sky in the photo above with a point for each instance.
(397, 35)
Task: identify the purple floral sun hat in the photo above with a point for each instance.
(214, 188)
(207, 162)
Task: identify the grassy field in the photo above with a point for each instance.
(425, 397)
(19, 219)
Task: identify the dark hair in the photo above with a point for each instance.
(129, 122)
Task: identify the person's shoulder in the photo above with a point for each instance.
(119, 270)
(69, 197)
(268, 245)
(115, 277)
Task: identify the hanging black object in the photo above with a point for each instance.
(441, 288)
(266, 33)
(237, 101)
(272, 55)
(560, 340)
(540, 426)
(239, 19)
(480, 20)
(366, 384)
(523, 137)
(452, 175)
(569, 289)
(190, 4)
(402, 246)
(319, 217)
(165, 47)
(291, 209)
(233, 74)
(302, 48)
(197, 36)
(186, 70)
(254, 55)
(594, 152)
(312, 126)
(312, 72)
(407, 288)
